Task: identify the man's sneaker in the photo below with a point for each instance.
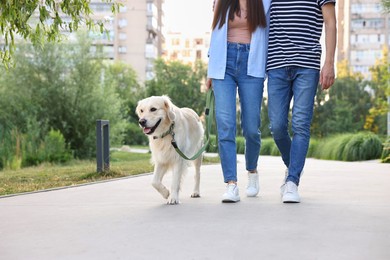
(252, 189)
(231, 194)
(289, 192)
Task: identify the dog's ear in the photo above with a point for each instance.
(169, 108)
(137, 108)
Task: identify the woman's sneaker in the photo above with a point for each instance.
(231, 194)
(289, 192)
(252, 189)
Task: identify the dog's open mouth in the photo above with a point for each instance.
(150, 130)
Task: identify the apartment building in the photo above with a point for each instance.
(139, 38)
(363, 33)
(186, 48)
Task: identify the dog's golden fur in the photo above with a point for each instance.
(157, 114)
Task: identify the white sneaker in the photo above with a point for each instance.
(289, 192)
(252, 189)
(231, 194)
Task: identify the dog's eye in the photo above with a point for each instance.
(153, 109)
(141, 110)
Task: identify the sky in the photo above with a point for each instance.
(188, 16)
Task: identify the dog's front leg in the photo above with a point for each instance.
(177, 174)
(159, 172)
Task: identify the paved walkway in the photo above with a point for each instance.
(344, 214)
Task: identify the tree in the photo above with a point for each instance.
(386, 5)
(123, 79)
(180, 82)
(343, 108)
(377, 118)
(60, 87)
(38, 21)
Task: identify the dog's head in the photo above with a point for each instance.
(155, 114)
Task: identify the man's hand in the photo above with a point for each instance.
(327, 76)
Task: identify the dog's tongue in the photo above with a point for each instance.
(147, 130)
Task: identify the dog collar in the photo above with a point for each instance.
(169, 132)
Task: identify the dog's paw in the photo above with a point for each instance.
(173, 201)
(165, 193)
(195, 195)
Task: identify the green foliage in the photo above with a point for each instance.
(385, 157)
(264, 128)
(43, 21)
(213, 145)
(376, 121)
(341, 109)
(55, 148)
(313, 146)
(182, 83)
(363, 147)
(134, 135)
(240, 145)
(61, 86)
(330, 148)
(123, 79)
(267, 146)
(10, 148)
(349, 147)
(33, 152)
(386, 5)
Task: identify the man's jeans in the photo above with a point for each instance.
(250, 91)
(300, 85)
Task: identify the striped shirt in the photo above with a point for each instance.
(295, 32)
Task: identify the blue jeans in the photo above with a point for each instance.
(300, 85)
(250, 91)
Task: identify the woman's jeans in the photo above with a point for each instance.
(300, 85)
(250, 91)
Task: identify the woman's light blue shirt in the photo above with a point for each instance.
(257, 54)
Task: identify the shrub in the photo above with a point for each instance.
(134, 135)
(312, 147)
(363, 146)
(386, 152)
(331, 148)
(10, 148)
(267, 145)
(55, 148)
(240, 144)
(275, 151)
(213, 145)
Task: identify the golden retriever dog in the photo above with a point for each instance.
(162, 121)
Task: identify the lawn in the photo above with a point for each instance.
(48, 176)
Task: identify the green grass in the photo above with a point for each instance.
(48, 176)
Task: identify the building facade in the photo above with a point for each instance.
(363, 33)
(186, 48)
(134, 33)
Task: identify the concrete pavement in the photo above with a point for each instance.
(344, 214)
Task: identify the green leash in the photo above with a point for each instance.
(209, 120)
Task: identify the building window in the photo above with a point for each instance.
(122, 49)
(198, 41)
(123, 9)
(122, 36)
(176, 41)
(198, 54)
(122, 23)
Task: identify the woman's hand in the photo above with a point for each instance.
(208, 83)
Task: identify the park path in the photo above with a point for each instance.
(344, 214)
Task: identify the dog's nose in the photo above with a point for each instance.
(142, 122)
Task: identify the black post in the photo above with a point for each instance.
(102, 145)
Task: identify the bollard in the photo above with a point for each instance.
(102, 145)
